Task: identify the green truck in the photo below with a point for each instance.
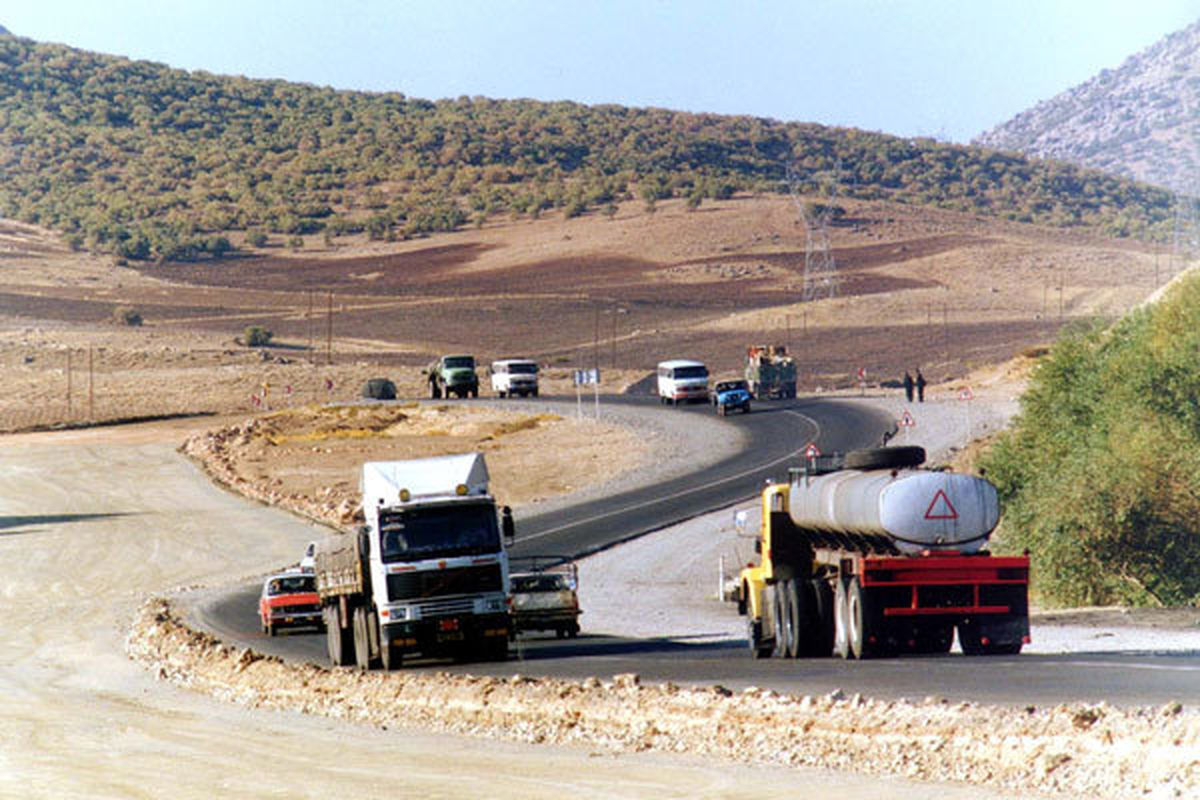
(770, 371)
(453, 375)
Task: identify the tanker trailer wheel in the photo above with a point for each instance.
(362, 642)
(885, 457)
(822, 617)
(754, 639)
(862, 623)
(798, 628)
(841, 636)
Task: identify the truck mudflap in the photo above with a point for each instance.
(447, 634)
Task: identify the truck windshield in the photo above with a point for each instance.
(690, 372)
(459, 362)
(522, 369)
(440, 531)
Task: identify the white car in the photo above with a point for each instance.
(515, 376)
(308, 562)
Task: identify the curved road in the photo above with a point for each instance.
(776, 432)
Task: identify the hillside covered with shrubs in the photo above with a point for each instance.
(1100, 475)
(149, 162)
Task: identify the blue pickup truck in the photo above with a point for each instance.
(731, 395)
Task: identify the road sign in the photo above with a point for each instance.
(940, 507)
(811, 451)
(587, 377)
(965, 394)
(907, 420)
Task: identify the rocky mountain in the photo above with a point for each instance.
(1140, 120)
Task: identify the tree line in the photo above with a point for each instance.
(147, 162)
(1099, 476)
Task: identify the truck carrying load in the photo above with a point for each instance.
(865, 554)
(770, 371)
(427, 573)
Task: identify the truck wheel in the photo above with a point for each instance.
(271, 631)
(754, 639)
(390, 657)
(885, 457)
(784, 631)
(841, 636)
(862, 627)
(474, 391)
(533, 393)
(822, 618)
(336, 639)
(362, 642)
(797, 618)
(771, 616)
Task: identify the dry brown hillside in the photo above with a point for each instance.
(944, 291)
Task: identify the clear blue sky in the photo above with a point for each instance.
(944, 68)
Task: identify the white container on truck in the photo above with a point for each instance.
(428, 571)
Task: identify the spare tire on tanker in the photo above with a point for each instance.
(379, 389)
(885, 457)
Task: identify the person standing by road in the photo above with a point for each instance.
(908, 386)
(920, 387)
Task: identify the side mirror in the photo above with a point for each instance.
(507, 527)
(758, 546)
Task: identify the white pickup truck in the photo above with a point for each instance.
(544, 599)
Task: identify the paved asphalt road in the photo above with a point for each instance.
(775, 433)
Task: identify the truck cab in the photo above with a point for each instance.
(453, 375)
(682, 380)
(428, 571)
(514, 376)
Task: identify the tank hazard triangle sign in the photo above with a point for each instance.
(941, 507)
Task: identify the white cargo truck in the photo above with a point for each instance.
(428, 571)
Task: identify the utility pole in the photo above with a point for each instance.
(91, 394)
(329, 333)
(312, 357)
(596, 337)
(68, 383)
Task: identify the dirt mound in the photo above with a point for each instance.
(307, 459)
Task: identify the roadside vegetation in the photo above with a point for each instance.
(1100, 474)
(151, 163)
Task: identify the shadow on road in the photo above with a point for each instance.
(10, 526)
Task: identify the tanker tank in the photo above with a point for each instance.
(893, 510)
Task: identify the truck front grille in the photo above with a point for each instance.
(444, 583)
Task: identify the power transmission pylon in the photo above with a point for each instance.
(820, 269)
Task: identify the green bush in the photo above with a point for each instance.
(1099, 476)
(256, 336)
